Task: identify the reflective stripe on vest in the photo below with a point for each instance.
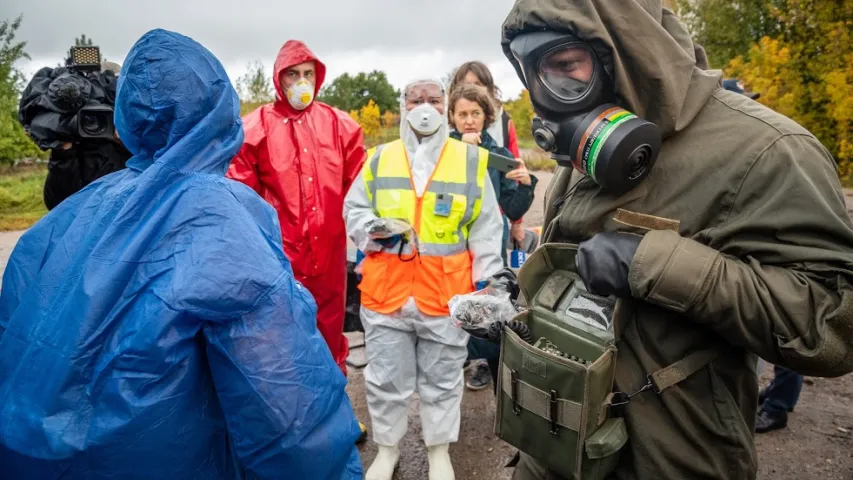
(442, 266)
(390, 189)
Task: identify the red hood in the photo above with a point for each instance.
(293, 53)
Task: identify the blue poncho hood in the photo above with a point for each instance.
(150, 325)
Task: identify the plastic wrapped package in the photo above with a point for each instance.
(476, 312)
(386, 228)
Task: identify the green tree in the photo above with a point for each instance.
(805, 71)
(83, 41)
(255, 86)
(352, 92)
(796, 53)
(727, 28)
(14, 143)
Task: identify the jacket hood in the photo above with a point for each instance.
(294, 52)
(176, 106)
(645, 48)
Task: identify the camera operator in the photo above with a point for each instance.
(69, 111)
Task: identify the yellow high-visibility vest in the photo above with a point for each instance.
(441, 217)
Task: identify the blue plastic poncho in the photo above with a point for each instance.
(150, 326)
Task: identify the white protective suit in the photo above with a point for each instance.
(409, 350)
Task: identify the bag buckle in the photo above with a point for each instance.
(516, 409)
(622, 398)
(554, 404)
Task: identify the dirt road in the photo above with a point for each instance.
(7, 243)
(818, 443)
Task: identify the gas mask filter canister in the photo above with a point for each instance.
(610, 145)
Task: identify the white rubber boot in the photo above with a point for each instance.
(384, 464)
(439, 463)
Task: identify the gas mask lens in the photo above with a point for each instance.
(567, 71)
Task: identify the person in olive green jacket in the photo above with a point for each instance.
(742, 240)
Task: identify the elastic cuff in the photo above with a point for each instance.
(671, 271)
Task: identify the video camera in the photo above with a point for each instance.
(93, 121)
(72, 103)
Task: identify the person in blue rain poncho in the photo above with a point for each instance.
(150, 325)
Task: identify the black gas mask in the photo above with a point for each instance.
(578, 121)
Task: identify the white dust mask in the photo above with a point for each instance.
(300, 94)
(424, 119)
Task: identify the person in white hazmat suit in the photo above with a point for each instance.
(424, 213)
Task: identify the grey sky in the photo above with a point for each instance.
(403, 38)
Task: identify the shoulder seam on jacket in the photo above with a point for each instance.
(765, 122)
(752, 164)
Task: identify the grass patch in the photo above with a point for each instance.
(21, 201)
(527, 144)
(385, 135)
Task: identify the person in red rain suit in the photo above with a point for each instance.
(301, 156)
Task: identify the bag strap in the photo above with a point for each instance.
(682, 369)
(546, 405)
(666, 377)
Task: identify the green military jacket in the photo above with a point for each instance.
(747, 243)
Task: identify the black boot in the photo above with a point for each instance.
(762, 395)
(769, 420)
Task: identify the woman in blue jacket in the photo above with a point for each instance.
(471, 111)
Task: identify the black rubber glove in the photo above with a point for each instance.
(389, 242)
(507, 281)
(604, 260)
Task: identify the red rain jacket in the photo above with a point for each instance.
(302, 163)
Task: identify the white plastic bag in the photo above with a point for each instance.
(475, 312)
(386, 228)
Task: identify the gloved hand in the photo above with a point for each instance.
(389, 242)
(476, 311)
(505, 280)
(603, 263)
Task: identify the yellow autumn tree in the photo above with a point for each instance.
(390, 119)
(806, 71)
(368, 118)
(354, 115)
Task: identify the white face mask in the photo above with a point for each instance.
(424, 119)
(300, 94)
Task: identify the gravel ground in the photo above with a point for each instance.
(817, 443)
(534, 216)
